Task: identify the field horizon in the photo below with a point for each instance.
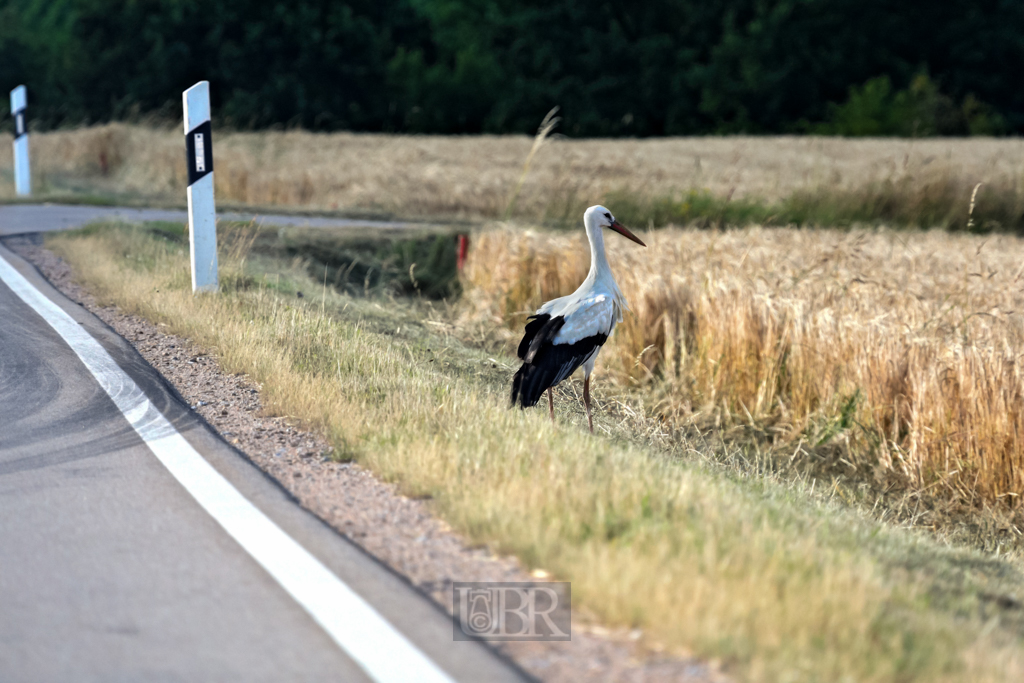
(778, 180)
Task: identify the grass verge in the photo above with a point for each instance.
(777, 579)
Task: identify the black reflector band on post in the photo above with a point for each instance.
(19, 124)
(199, 152)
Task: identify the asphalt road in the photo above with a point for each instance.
(114, 568)
(22, 218)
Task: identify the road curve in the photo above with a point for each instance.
(111, 569)
(16, 219)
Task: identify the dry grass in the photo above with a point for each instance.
(776, 580)
(899, 354)
(476, 177)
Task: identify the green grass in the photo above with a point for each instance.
(705, 551)
(943, 203)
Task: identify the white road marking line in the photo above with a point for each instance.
(374, 644)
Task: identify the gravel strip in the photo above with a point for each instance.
(399, 531)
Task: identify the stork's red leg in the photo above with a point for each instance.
(551, 405)
(586, 402)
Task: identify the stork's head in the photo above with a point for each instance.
(598, 217)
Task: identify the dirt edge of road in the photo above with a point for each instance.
(399, 531)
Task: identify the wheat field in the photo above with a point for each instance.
(900, 353)
(476, 176)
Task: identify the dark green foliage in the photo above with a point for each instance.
(315, 63)
(414, 265)
(874, 109)
(467, 66)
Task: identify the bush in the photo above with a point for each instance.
(919, 110)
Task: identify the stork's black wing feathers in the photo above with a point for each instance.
(545, 364)
(540, 330)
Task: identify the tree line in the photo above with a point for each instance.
(658, 67)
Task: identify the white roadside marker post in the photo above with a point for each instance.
(202, 214)
(22, 174)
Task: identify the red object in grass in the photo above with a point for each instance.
(461, 250)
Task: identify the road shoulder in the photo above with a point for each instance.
(398, 531)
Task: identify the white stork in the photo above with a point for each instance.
(568, 332)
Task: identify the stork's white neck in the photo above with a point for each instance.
(600, 272)
(599, 282)
(598, 259)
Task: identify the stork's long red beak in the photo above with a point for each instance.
(619, 228)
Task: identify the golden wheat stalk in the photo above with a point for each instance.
(970, 210)
(547, 125)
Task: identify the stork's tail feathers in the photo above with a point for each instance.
(551, 365)
(529, 384)
(531, 380)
